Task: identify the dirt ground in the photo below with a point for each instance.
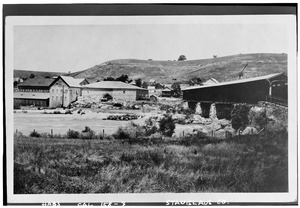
(93, 118)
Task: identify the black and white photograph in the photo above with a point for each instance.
(174, 109)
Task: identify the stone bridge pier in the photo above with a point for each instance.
(212, 110)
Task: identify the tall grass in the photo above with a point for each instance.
(240, 164)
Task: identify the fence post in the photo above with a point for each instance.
(103, 132)
(212, 133)
(16, 130)
(182, 133)
(52, 133)
(251, 131)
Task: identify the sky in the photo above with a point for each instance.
(63, 48)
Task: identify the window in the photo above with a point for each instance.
(52, 90)
(124, 92)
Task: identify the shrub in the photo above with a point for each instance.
(167, 125)
(35, 134)
(187, 111)
(239, 116)
(150, 126)
(56, 112)
(131, 132)
(88, 133)
(73, 134)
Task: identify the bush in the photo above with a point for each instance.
(150, 126)
(35, 134)
(131, 132)
(73, 134)
(88, 133)
(167, 125)
(239, 116)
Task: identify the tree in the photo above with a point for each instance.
(138, 82)
(123, 78)
(32, 76)
(167, 125)
(107, 96)
(109, 79)
(176, 90)
(182, 58)
(195, 81)
(145, 85)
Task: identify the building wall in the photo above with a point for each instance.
(124, 95)
(27, 102)
(95, 95)
(141, 94)
(62, 95)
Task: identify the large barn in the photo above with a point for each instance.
(33, 92)
(119, 91)
(64, 90)
(271, 87)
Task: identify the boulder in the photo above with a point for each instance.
(221, 134)
(197, 119)
(258, 117)
(224, 123)
(185, 105)
(230, 130)
(249, 131)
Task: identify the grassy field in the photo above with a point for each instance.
(221, 68)
(245, 164)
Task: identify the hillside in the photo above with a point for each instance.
(37, 74)
(221, 68)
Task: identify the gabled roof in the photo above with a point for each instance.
(112, 85)
(266, 77)
(70, 81)
(37, 82)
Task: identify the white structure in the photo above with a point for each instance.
(119, 91)
(64, 90)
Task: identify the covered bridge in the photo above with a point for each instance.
(271, 87)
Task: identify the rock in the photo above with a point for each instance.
(215, 126)
(249, 131)
(230, 130)
(197, 119)
(258, 117)
(221, 134)
(185, 105)
(224, 123)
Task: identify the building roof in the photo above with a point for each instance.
(37, 95)
(71, 81)
(166, 90)
(210, 81)
(38, 82)
(112, 85)
(266, 77)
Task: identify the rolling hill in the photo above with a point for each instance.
(37, 74)
(220, 68)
